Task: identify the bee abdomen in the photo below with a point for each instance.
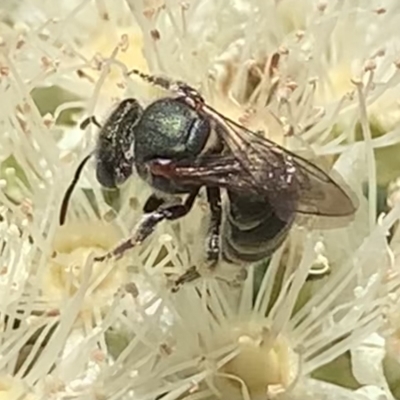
(252, 231)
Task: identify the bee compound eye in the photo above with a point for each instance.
(106, 176)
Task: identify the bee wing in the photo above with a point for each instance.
(214, 170)
(259, 166)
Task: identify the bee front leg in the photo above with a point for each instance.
(148, 224)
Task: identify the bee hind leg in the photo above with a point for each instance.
(213, 237)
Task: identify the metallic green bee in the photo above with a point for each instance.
(179, 144)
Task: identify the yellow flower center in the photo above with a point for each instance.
(73, 245)
(265, 364)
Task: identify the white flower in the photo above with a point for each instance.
(376, 361)
(73, 328)
(223, 342)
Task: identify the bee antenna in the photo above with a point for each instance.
(70, 189)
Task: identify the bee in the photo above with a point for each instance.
(179, 144)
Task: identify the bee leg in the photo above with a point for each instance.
(181, 88)
(212, 241)
(149, 222)
(155, 80)
(213, 237)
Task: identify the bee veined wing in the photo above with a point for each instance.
(257, 165)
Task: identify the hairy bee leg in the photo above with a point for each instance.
(155, 80)
(181, 88)
(213, 237)
(148, 224)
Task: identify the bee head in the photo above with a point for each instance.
(114, 150)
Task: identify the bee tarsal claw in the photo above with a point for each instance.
(101, 258)
(190, 275)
